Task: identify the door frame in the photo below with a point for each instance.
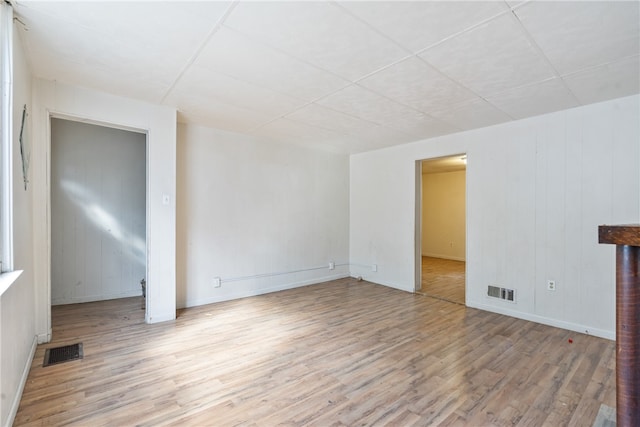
(80, 119)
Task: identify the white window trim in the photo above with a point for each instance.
(6, 138)
(7, 279)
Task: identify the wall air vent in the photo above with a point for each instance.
(502, 293)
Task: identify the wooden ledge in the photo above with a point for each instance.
(625, 234)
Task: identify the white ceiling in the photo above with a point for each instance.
(345, 76)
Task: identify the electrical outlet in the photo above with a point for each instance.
(374, 267)
(217, 282)
(551, 285)
(332, 266)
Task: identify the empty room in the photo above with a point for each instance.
(320, 213)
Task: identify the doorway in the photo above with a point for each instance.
(98, 212)
(442, 236)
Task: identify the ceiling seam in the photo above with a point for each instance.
(540, 52)
(454, 81)
(459, 33)
(277, 49)
(416, 55)
(314, 102)
(479, 96)
(604, 64)
(216, 27)
(359, 79)
(350, 82)
(335, 4)
(452, 36)
(562, 76)
(377, 123)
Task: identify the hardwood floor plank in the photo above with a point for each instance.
(443, 278)
(339, 353)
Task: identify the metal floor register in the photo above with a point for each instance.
(62, 354)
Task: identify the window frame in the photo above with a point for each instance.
(6, 138)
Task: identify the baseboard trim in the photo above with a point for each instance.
(132, 293)
(162, 317)
(256, 292)
(452, 258)
(570, 326)
(23, 381)
(371, 279)
(44, 338)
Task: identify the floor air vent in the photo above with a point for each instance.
(502, 293)
(62, 354)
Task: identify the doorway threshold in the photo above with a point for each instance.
(425, 294)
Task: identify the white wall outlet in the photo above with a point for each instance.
(374, 267)
(217, 282)
(551, 285)
(332, 266)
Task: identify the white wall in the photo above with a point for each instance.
(248, 207)
(537, 189)
(60, 100)
(17, 304)
(98, 224)
(443, 215)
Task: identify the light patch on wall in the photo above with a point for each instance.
(86, 201)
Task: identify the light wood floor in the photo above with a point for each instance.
(443, 278)
(339, 353)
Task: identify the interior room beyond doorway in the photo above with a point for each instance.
(98, 212)
(443, 228)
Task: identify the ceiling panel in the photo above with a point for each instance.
(473, 114)
(317, 115)
(414, 83)
(539, 98)
(420, 125)
(621, 78)
(341, 75)
(579, 34)
(79, 62)
(227, 90)
(185, 22)
(318, 32)
(382, 136)
(207, 111)
(99, 77)
(285, 130)
(490, 58)
(116, 39)
(420, 24)
(234, 54)
(371, 138)
(360, 102)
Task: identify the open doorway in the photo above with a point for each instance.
(98, 213)
(442, 237)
